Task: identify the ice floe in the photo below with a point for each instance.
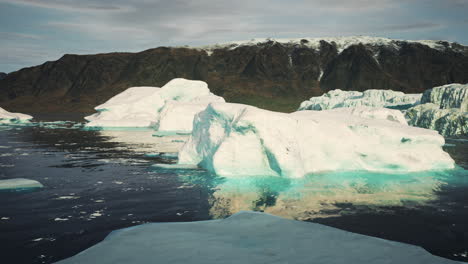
(19, 184)
(248, 237)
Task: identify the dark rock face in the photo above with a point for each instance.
(271, 75)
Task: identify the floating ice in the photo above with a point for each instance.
(235, 140)
(373, 113)
(443, 108)
(19, 184)
(248, 237)
(135, 107)
(176, 116)
(374, 98)
(141, 106)
(13, 118)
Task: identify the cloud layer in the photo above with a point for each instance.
(34, 31)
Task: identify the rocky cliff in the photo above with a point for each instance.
(273, 74)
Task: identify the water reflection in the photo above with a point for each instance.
(144, 141)
(323, 195)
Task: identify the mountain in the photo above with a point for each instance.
(273, 74)
(2, 75)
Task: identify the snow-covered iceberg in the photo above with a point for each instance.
(134, 107)
(443, 108)
(141, 106)
(12, 118)
(19, 184)
(373, 113)
(235, 140)
(373, 98)
(248, 237)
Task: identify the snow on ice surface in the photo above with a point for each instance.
(135, 107)
(373, 113)
(248, 237)
(9, 118)
(234, 140)
(141, 106)
(342, 43)
(375, 98)
(19, 183)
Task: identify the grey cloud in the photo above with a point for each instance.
(82, 5)
(410, 27)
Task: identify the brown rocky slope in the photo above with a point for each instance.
(270, 74)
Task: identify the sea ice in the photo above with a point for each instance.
(12, 118)
(19, 183)
(234, 140)
(248, 237)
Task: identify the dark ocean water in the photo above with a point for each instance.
(99, 181)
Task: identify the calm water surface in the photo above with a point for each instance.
(99, 181)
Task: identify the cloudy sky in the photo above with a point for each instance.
(34, 31)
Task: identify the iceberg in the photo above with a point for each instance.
(177, 116)
(373, 98)
(235, 140)
(19, 184)
(141, 106)
(443, 108)
(373, 113)
(248, 237)
(135, 107)
(13, 118)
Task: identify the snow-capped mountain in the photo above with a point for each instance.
(273, 74)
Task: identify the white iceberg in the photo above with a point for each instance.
(19, 183)
(135, 107)
(248, 237)
(12, 118)
(234, 140)
(443, 108)
(177, 116)
(373, 113)
(141, 106)
(373, 98)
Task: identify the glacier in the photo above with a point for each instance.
(235, 140)
(141, 106)
(443, 108)
(13, 118)
(373, 98)
(248, 237)
(19, 184)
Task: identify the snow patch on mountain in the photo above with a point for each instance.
(341, 43)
